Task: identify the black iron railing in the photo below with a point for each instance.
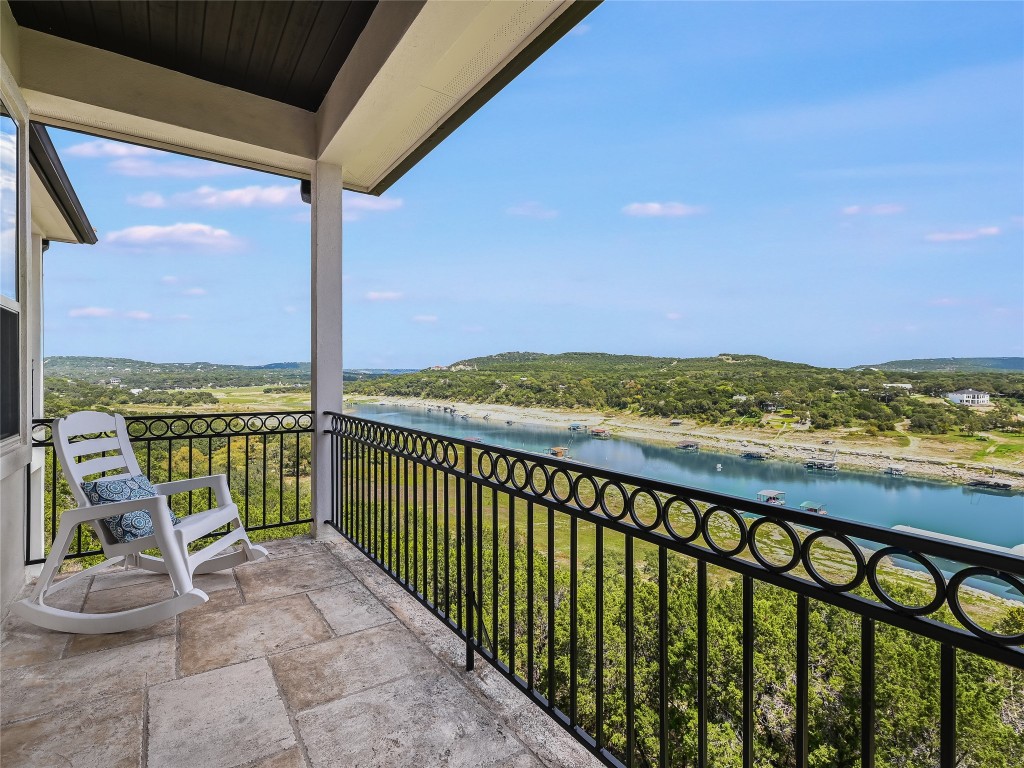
(266, 457)
(664, 625)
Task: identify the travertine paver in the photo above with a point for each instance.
(425, 720)
(349, 664)
(350, 607)
(313, 659)
(25, 643)
(289, 575)
(219, 719)
(211, 640)
(99, 733)
(33, 690)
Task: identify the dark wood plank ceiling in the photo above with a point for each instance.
(286, 51)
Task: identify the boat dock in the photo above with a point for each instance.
(769, 496)
(816, 507)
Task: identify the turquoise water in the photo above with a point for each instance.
(868, 497)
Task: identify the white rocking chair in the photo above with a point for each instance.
(171, 539)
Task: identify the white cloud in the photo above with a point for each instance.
(178, 169)
(148, 200)
(91, 312)
(182, 235)
(181, 318)
(169, 280)
(674, 316)
(383, 296)
(946, 301)
(194, 292)
(880, 209)
(244, 197)
(579, 30)
(424, 318)
(532, 210)
(138, 314)
(662, 209)
(105, 148)
(289, 310)
(963, 235)
(355, 206)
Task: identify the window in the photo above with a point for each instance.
(10, 336)
(8, 205)
(10, 391)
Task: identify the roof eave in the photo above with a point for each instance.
(47, 165)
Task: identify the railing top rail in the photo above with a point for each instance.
(199, 425)
(917, 543)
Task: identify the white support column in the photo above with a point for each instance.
(325, 276)
(33, 315)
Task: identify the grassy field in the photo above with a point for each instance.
(230, 399)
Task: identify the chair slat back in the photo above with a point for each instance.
(84, 457)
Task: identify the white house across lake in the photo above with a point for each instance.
(968, 397)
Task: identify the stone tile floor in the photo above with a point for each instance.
(312, 659)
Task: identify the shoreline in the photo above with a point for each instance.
(724, 440)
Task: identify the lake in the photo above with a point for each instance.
(867, 497)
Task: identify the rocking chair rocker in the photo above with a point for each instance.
(170, 536)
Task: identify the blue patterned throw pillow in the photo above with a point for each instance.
(130, 526)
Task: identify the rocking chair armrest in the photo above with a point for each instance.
(219, 484)
(153, 505)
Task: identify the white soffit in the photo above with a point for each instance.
(449, 52)
(47, 220)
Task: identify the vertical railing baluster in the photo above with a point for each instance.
(802, 671)
(263, 488)
(247, 494)
(748, 672)
(630, 649)
(404, 535)
(470, 596)
(573, 616)
(702, 664)
(460, 550)
(495, 646)
(663, 657)
(531, 679)
(191, 474)
(416, 529)
(599, 637)
(552, 675)
(512, 585)
(479, 606)
(426, 530)
(867, 692)
(947, 707)
(433, 498)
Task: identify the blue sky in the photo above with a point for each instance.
(832, 183)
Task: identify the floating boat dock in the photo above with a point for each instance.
(689, 447)
(993, 485)
(577, 428)
(822, 465)
(769, 496)
(895, 470)
(559, 452)
(754, 455)
(600, 433)
(814, 506)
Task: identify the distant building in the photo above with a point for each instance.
(968, 397)
(114, 382)
(898, 386)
